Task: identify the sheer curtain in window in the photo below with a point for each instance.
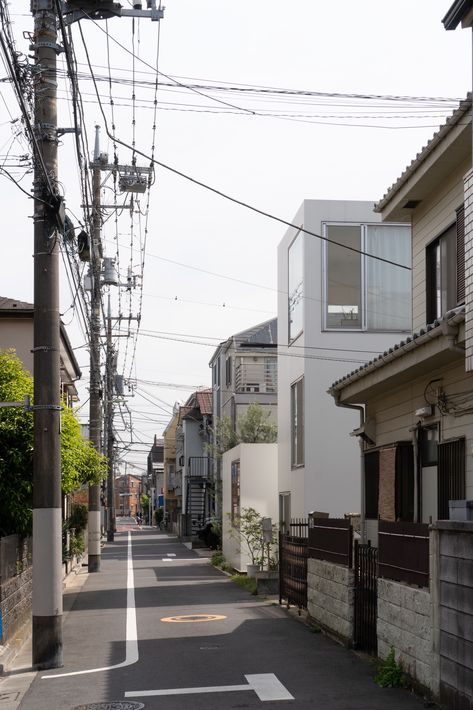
(388, 287)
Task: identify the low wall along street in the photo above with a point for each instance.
(16, 580)
(330, 590)
(404, 622)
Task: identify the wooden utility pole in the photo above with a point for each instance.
(47, 523)
(110, 373)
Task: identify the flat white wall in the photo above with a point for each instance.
(258, 490)
(330, 479)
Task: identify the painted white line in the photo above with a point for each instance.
(265, 685)
(131, 633)
(167, 559)
(268, 687)
(171, 554)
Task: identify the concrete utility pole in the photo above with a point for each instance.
(95, 404)
(110, 373)
(47, 527)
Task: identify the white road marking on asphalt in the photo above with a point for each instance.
(265, 685)
(167, 559)
(131, 633)
(171, 554)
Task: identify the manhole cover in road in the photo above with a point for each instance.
(196, 618)
(113, 705)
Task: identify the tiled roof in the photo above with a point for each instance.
(12, 304)
(204, 400)
(462, 111)
(267, 333)
(400, 349)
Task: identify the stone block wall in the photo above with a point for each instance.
(330, 596)
(404, 622)
(454, 620)
(15, 602)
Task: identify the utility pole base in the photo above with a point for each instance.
(94, 563)
(110, 536)
(47, 642)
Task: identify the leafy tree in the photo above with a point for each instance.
(80, 463)
(253, 427)
(16, 448)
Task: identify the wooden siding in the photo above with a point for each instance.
(430, 219)
(394, 413)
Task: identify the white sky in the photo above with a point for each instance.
(367, 47)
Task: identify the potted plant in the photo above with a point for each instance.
(247, 529)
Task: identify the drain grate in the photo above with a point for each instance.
(112, 705)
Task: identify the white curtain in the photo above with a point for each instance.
(388, 287)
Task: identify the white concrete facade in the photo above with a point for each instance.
(329, 478)
(258, 490)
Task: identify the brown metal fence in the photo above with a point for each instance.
(366, 597)
(403, 552)
(293, 570)
(331, 539)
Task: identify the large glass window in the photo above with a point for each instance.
(296, 287)
(362, 292)
(297, 423)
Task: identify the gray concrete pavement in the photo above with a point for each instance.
(201, 642)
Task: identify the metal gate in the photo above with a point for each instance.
(366, 597)
(293, 570)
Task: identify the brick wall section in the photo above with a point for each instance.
(468, 189)
(387, 483)
(330, 597)
(404, 622)
(15, 602)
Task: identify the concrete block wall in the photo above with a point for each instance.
(404, 622)
(15, 602)
(455, 612)
(330, 597)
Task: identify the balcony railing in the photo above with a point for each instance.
(199, 467)
(256, 377)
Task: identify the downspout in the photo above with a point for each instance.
(415, 446)
(360, 408)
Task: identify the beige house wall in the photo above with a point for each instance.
(430, 219)
(18, 334)
(394, 411)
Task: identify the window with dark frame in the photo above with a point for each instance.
(451, 475)
(445, 270)
(371, 484)
(297, 423)
(235, 492)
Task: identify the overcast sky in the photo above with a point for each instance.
(210, 265)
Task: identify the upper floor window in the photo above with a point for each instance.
(445, 270)
(228, 371)
(235, 492)
(295, 287)
(363, 292)
(297, 423)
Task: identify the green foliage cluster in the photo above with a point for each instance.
(247, 530)
(253, 427)
(218, 560)
(390, 674)
(73, 532)
(248, 583)
(80, 463)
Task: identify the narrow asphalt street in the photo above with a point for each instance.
(159, 627)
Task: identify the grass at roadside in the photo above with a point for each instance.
(248, 583)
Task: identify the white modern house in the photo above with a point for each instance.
(248, 481)
(337, 308)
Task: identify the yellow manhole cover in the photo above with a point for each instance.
(196, 618)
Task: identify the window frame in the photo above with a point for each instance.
(291, 338)
(235, 492)
(297, 430)
(363, 327)
(454, 239)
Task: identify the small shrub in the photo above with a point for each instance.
(390, 674)
(217, 558)
(248, 583)
(78, 518)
